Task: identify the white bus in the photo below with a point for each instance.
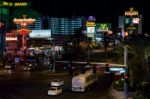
(81, 82)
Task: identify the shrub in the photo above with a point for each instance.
(119, 84)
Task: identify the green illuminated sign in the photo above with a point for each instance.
(4, 11)
(103, 26)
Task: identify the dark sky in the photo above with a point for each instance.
(103, 10)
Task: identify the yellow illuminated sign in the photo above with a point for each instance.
(16, 4)
(7, 3)
(131, 28)
(90, 24)
(20, 4)
(131, 12)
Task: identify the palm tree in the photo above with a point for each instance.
(77, 39)
(138, 58)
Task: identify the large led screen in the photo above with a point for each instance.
(40, 34)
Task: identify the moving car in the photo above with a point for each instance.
(10, 66)
(57, 82)
(30, 65)
(54, 91)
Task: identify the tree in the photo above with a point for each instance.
(77, 39)
(139, 63)
(138, 57)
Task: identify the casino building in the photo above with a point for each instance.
(131, 22)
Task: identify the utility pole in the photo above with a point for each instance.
(126, 72)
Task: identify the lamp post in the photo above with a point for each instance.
(126, 72)
(53, 54)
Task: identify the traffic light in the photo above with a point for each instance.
(107, 68)
(126, 77)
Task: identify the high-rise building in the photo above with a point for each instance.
(58, 26)
(37, 25)
(65, 26)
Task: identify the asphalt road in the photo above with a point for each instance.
(18, 84)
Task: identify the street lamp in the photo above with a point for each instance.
(126, 72)
(53, 54)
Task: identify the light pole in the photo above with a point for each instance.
(88, 60)
(126, 72)
(53, 54)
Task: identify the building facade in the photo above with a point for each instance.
(65, 26)
(58, 26)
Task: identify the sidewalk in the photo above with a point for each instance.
(119, 94)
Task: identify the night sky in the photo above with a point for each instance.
(103, 10)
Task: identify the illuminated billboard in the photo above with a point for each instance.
(135, 20)
(91, 18)
(40, 34)
(15, 4)
(90, 29)
(103, 27)
(131, 12)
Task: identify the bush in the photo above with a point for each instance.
(119, 84)
(139, 96)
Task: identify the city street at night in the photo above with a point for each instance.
(34, 85)
(74, 49)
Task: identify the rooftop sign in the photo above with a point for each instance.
(131, 12)
(15, 4)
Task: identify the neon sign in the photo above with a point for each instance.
(7, 3)
(91, 18)
(103, 27)
(24, 21)
(21, 4)
(16, 4)
(131, 12)
(135, 20)
(24, 31)
(11, 39)
(90, 24)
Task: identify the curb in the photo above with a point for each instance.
(115, 94)
(51, 73)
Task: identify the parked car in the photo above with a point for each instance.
(57, 82)
(54, 91)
